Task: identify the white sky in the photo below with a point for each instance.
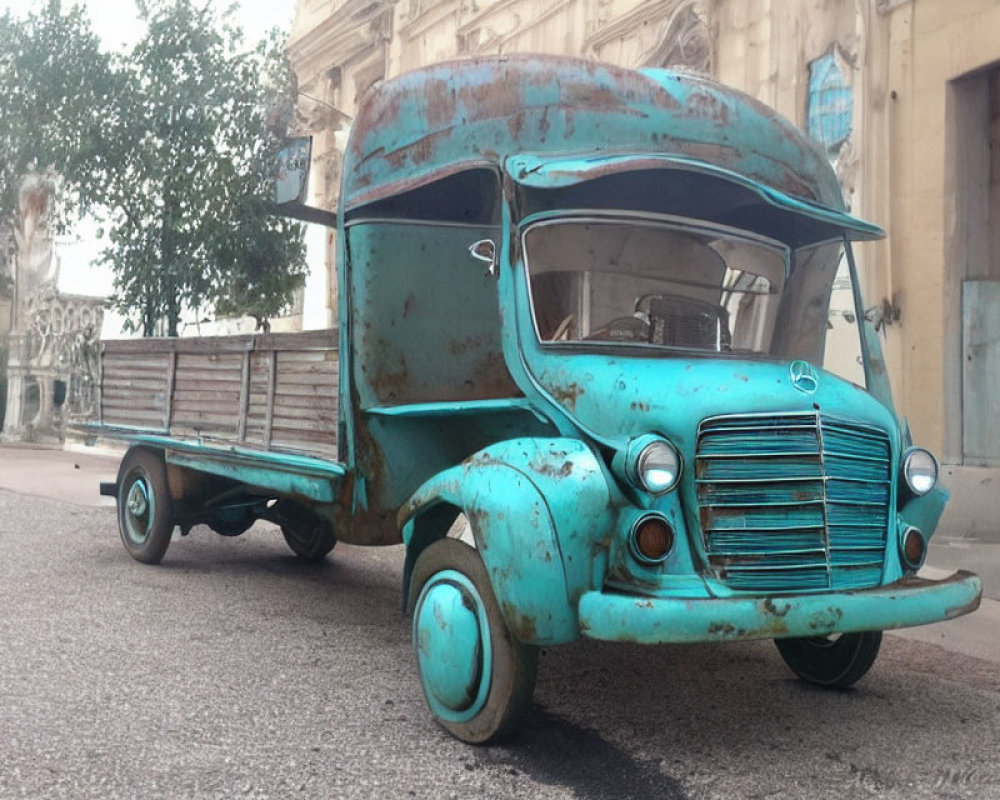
(117, 23)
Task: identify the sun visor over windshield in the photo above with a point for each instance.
(545, 173)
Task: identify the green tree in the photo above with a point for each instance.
(190, 196)
(56, 101)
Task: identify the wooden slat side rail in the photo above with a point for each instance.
(134, 390)
(274, 391)
(302, 341)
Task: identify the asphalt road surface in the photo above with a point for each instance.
(235, 670)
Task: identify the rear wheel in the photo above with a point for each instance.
(477, 678)
(145, 517)
(832, 661)
(313, 543)
(308, 535)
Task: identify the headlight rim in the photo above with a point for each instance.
(908, 455)
(640, 450)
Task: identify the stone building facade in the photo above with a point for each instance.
(50, 340)
(903, 94)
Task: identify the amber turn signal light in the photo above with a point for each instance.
(652, 539)
(913, 547)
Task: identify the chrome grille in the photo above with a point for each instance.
(793, 502)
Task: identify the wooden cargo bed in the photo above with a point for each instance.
(263, 392)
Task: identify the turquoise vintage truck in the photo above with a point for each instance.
(602, 368)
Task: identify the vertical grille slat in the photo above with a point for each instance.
(796, 502)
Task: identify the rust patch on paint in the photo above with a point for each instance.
(417, 152)
(491, 100)
(703, 104)
(772, 610)
(550, 470)
(441, 103)
(567, 395)
(523, 626)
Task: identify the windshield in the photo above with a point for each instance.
(658, 284)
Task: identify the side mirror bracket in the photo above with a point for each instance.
(485, 250)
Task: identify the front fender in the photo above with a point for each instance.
(924, 512)
(541, 511)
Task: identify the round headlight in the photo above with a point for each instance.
(657, 467)
(920, 469)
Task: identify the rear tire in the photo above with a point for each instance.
(308, 535)
(145, 516)
(835, 662)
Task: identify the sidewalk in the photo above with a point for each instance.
(977, 634)
(73, 476)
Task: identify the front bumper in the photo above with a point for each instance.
(660, 620)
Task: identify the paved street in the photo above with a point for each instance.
(233, 669)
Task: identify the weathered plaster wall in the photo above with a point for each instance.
(933, 44)
(5, 311)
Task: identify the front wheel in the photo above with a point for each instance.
(477, 678)
(835, 662)
(145, 518)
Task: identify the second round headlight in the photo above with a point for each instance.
(920, 469)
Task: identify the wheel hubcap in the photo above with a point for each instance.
(138, 511)
(451, 636)
(137, 501)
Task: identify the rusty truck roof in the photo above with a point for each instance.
(454, 116)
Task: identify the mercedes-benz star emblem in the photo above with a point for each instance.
(804, 376)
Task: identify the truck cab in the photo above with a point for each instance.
(590, 315)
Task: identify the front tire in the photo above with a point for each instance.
(477, 678)
(145, 517)
(835, 662)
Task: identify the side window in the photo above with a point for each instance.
(426, 316)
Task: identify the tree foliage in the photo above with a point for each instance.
(191, 223)
(56, 92)
(169, 143)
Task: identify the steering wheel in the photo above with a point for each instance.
(623, 329)
(562, 330)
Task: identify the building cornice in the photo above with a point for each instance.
(340, 38)
(428, 17)
(627, 22)
(479, 17)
